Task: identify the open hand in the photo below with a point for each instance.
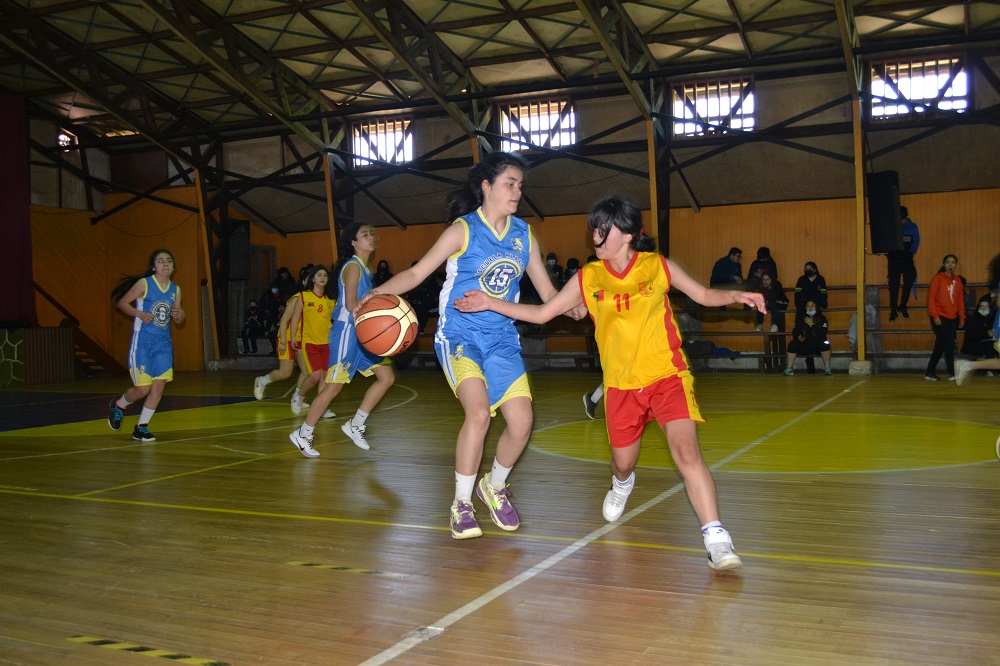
(473, 301)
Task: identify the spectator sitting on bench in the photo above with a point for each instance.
(809, 338)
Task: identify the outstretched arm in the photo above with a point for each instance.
(712, 297)
(447, 244)
(564, 301)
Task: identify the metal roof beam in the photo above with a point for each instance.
(245, 66)
(407, 38)
(140, 107)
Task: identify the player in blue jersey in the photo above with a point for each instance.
(486, 247)
(347, 356)
(155, 302)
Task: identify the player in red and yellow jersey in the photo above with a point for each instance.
(311, 317)
(646, 374)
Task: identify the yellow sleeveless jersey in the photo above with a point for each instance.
(316, 313)
(636, 333)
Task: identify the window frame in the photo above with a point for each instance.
(402, 151)
(680, 91)
(924, 107)
(520, 141)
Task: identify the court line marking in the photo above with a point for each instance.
(870, 564)
(414, 639)
(414, 394)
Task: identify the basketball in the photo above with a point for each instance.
(386, 325)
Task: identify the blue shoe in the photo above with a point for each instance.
(115, 415)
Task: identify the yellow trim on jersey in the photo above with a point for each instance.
(465, 242)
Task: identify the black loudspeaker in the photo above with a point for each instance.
(883, 212)
(239, 250)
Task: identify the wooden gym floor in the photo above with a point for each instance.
(866, 511)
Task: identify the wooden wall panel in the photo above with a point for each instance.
(79, 262)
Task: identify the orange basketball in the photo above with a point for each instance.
(386, 325)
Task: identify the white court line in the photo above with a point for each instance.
(415, 638)
(413, 396)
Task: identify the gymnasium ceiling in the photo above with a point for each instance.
(183, 76)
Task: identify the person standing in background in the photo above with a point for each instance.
(901, 267)
(946, 309)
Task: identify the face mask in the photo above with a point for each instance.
(552, 262)
(810, 271)
(274, 291)
(811, 313)
(984, 311)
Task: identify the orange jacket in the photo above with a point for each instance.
(946, 298)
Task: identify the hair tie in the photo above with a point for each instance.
(640, 233)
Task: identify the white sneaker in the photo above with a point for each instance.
(614, 503)
(356, 433)
(998, 447)
(258, 388)
(774, 328)
(758, 328)
(303, 444)
(720, 550)
(328, 414)
(962, 371)
(298, 404)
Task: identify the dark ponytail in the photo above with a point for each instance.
(469, 197)
(126, 283)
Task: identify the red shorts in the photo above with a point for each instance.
(317, 357)
(629, 410)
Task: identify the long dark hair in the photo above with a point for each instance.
(469, 197)
(118, 293)
(619, 211)
(993, 271)
(345, 247)
(311, 280)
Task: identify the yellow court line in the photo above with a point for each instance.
(232, 464)
(803, 559)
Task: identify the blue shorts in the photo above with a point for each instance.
(347, 356)
(150, 357)
(494, 357)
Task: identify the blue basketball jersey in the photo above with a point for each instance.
(158, 301)
(347, 356)
(151, 354)
(340, 312)
(491, 262)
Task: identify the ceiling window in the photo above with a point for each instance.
(707, 108)
(384, 139)
(915, 87)
(543, 123)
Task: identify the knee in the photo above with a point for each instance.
(478, 420)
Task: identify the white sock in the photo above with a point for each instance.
(296, 395)
(498, 475)
(146, 415)
(598, 394)
(264, 379)
(625, 486)
(306, 430)
(707, 526)
(122, 402)
(359, 418)
(464, 484)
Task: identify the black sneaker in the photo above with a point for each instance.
(142, 434)
(115, 415)
(589, 406)
(893, 316)
(902, 311)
